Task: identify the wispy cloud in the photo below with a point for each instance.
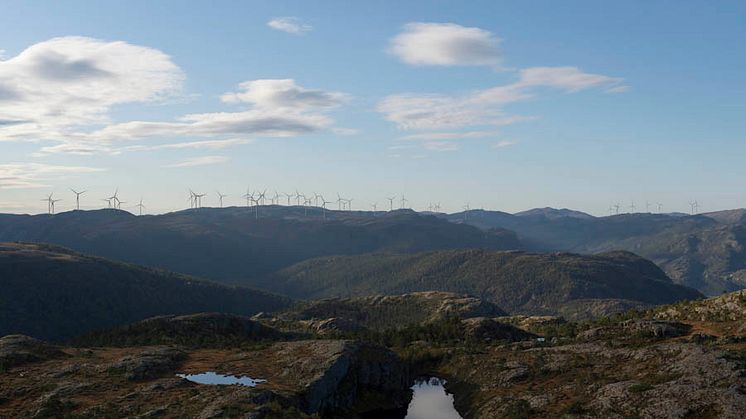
(445, 44)
(199, 161)
(34, 175)
(439, 136)
(504, 144)
(486, 107)
(193, 145)
(289, 24)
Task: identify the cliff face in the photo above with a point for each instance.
(343, 376)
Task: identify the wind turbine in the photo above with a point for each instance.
(349, 204)
(647, 206)
(140, 206)
(276, 199)
(298, 196)
(466, 211)
(52, 202)
(48, 200)
(77, 197)
(340, 202)
(660, 207)
(694, 206)
(374, 206)
(391, 202)
(632, 207)
(114, 199)
(220, 198)
(323, 205)
(617, 206)
(403, 201)
(249, 197)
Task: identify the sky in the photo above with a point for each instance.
(504, 105)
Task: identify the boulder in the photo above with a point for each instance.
(20, 349)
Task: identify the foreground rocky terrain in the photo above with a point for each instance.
(686, 360)
(333, 377)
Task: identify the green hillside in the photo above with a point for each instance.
(53, 293)
(518, 282)
(233, 245)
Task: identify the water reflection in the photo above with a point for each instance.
(429, 401)
(211, 377)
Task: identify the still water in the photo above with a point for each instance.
(430, 401)
(211, 377)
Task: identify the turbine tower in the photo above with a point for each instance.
(77, 197)
(660, 207)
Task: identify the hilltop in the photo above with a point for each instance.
(50, 292)
(395, 311)
(566, 284)
(233, 245)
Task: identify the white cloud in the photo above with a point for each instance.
(504, 144)
(63, 90)
(445, 44)
(199, 161)
(289, 24)
(485, 107)
(34, 175)
(283, 94)
(55, 86)
(570, 79)
(440, 136)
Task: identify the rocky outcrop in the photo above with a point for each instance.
(148, 364)
(395, 311)
(485, 329)
(201, 329)
(333, 326)
(344, 375)
(20, 349)
(655, 328)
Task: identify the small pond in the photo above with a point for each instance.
(214, 378)
(429, 401)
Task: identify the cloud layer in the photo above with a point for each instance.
(34, 175)
(445, 44)
(63, 91)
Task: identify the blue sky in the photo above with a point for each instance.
(505, 105)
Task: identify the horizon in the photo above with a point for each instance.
(506, 106)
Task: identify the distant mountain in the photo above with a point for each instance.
(553, 213)
(706, 251)
(521, 283)
(53, 293)
(735, 216)
(235, 245)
